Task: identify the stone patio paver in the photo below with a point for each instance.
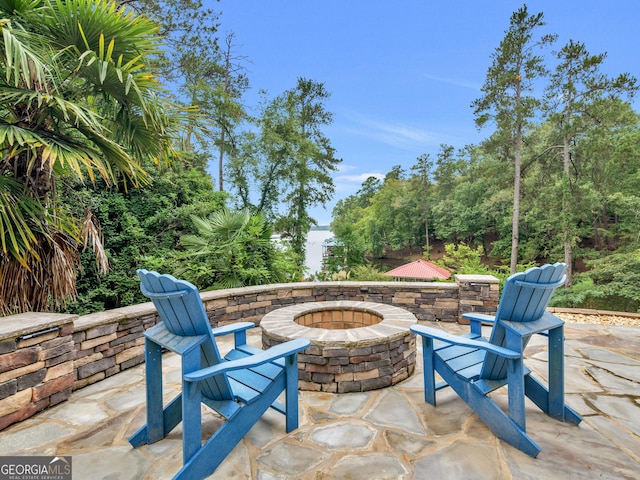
(379, 434)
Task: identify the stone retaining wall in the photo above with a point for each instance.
(43, 357)
(36, 364)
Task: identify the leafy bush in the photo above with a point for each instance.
(462, 258)
(580, 295)
(612, 283)
(234, 249)
(368, 273)
(140, 229)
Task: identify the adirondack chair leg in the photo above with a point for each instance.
(491, 414)
(500, 424)
(551, 400)
(291, 392)
(556, 373)
(219, 445)
(191, 399)
(154, 429)
(539, 395)
(192, 422)
(428, 370)
(515, 383)
(153, 374)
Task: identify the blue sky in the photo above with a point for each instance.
(403, 73)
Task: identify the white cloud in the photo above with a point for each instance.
(358, 178)
(399, 135)
(453, 81)
(346, 167)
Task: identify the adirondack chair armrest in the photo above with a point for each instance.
(547, 322)
(480, 317)
(436, 334)
(231, 328)
(239, 331)
(278, 351)
(476, 320)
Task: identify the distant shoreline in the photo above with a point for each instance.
(315, 241)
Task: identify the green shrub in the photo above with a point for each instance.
(368, 273)
(612, 283)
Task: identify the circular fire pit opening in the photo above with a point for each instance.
(338, 319)
(355, 346)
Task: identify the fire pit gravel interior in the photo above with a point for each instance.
(355, 346)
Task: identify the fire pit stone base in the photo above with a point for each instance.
(355, 346)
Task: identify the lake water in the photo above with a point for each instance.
(313, 260)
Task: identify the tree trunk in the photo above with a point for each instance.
(221, 162)
(227, 86)
(568, 256)
(516, 191)
(516, 206)
(426, 233)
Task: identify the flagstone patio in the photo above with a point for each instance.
(380, 434)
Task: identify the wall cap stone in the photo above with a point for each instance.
(116, 315)
(31, 322)
(464, 278)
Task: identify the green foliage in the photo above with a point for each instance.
(233, 249)
(461, 258)
(368, 273)
(612, 283)
(581, 295)
(140, 229)
(78, 101)
(285, 169)
(617, 278)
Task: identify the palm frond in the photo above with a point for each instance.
(19, 214)
(48, 280)
(196, 245)
(91, 235)
(116, 159)
(62, 152)
(228, 224)
(82, 23)
(22, 65)
(16, 138)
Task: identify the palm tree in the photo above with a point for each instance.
(234, 249)
(77, 99)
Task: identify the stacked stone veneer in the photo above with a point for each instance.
(36, 364)
(338, 318)
(43, 357)
(355, 346)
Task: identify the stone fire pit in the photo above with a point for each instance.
(355, 346)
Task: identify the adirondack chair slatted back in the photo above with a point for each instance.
(180, 307)
(524, 299)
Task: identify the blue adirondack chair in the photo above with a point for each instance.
(240, 387)
(474, 367)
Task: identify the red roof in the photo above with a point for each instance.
(420, 269)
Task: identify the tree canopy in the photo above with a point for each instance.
(116, 115)
(77, 100)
